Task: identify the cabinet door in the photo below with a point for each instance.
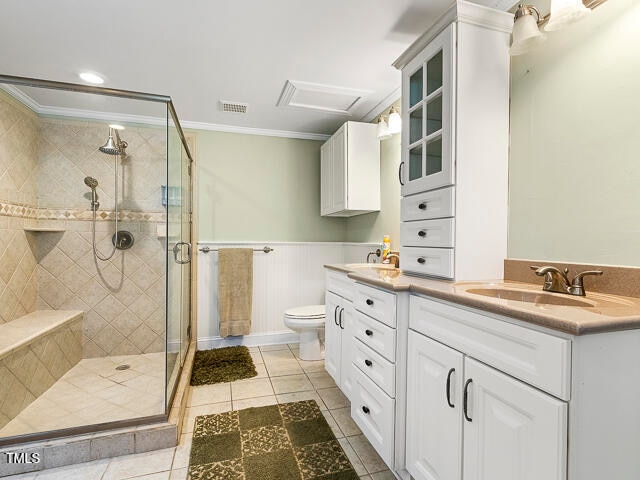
(332, 336)
(345, 321)
(516, 432)
(339, 169)
(325, 178)
(434, 412)
(427, 110)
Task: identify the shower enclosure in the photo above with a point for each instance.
(95, 250)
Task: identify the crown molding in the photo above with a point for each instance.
(382, 105)
(82, 114)
(463, 11)
(216, 127)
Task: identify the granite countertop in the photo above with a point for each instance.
(594, 313)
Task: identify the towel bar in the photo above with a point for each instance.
(208, 249)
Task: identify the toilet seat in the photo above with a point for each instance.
(310, 312)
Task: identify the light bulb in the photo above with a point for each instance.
(395, 122)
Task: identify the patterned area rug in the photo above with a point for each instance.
(225, 364)
(290, 441)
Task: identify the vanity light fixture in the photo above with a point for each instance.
(383, 129)
(525, 29)
(395, 122)
(91, 77)
(564, 12)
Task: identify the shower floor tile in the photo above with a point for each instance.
(93, 391)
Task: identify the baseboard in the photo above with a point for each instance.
(251, 340)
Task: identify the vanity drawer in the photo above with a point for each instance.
(437, 262)
(432, 204)
(538, 358)
(339, 283)
(376, 303)
(428, 233)
(374, 412)
(375, 335)
(375, 366)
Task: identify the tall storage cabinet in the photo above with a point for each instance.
(350, 171)
(455, 145)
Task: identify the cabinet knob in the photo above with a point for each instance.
(422, 233)
(368, 332)
(369, 302)
(365, 409)
(422, 260)
(423, 206)
(368, 363)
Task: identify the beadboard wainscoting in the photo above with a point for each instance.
(291, 275)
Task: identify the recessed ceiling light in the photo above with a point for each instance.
(91, 77)
(115, 126)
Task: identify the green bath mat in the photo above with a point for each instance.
(222, 365)
(290, 441)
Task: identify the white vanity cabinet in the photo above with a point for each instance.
(507, 429)
(338, 336)
(455, 145)
(492, 397)
(373, 401)
(350, 171)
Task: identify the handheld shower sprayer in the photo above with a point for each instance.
(92, 183)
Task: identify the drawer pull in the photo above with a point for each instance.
(451, 372)
(465, 400)
(368, 363)
(369, 302)
(368, 332)
(423, 206)
(365, 409)
(422, 233)
(422, 260)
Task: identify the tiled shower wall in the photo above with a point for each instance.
(18, 161)
(123, 298)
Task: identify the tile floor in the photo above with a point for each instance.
(93, 391)
(282, 377)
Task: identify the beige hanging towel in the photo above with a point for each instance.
(235, 290)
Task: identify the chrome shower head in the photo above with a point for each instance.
(91, 182)
(111, 147)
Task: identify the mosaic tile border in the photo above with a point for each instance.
(35, 213)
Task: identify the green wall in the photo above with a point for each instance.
(573, 169)
(260, 188)
(371, 227)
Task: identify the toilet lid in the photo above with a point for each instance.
(309, 311)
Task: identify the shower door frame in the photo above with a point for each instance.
(133, 95)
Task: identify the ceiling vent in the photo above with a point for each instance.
(317, 96)
(233, 107)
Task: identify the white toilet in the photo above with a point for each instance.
(307, 321)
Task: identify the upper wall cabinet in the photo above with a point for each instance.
(455, 146)
(350, 171)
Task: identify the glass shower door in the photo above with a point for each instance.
(178, 211)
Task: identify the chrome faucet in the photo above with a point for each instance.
(557, 281)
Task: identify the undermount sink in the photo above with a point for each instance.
(530, 297)
(371, 266)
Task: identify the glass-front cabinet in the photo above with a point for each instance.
(427, 149)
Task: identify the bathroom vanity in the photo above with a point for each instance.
(499, 380)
